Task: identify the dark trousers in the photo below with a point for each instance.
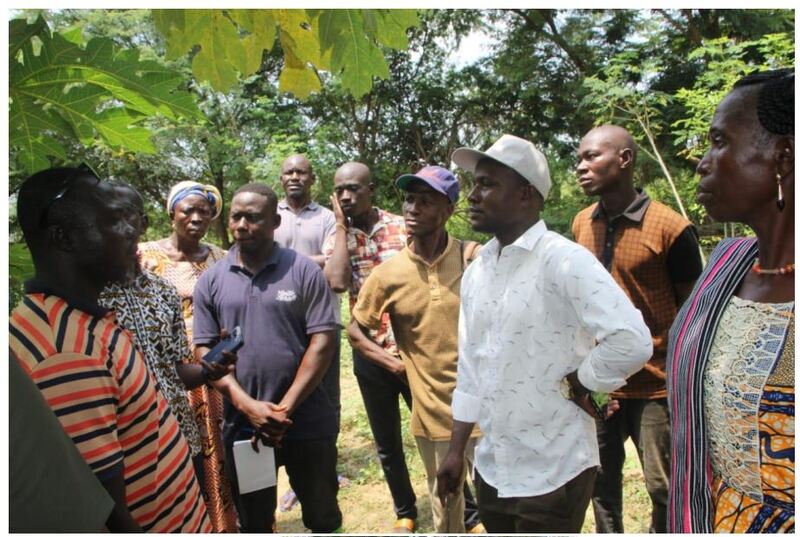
(646, 422)
(311, 467)
(381, 391)
(560, 511)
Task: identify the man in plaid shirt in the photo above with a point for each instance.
(365, 237)
(652, 253)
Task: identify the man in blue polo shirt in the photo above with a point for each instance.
(284, 307)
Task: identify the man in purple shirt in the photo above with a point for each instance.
(304, 223)
(281, 389)
(304, 227)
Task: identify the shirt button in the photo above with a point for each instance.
(608, 244)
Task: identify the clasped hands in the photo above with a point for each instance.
(271, 422)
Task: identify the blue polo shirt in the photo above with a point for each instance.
(278, 309)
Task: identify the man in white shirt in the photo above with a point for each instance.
(542, 326)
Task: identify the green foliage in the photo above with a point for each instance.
(529, 83)
(725, 61)
(566, 198)
(20, 268)
(97, 94)
(617, 95)
(229, 44)
(223, 52)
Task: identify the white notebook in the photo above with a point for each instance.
(255, 471)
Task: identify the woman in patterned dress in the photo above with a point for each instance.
(181, 258)
(731, 349)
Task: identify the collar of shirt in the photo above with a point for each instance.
(311, 206)
(634, 212)
(526, 241)
(384, 219)
(232, 259)
(34, 286)
(143, 281)
(418, 259)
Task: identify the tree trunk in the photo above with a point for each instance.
(220, 224)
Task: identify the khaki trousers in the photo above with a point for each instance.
(432, 453)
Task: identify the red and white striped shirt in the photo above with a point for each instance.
(96, 382)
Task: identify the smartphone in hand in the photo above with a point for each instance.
(232, 342)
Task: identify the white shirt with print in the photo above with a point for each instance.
(530, 314)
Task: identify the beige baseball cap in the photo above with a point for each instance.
(518, 154)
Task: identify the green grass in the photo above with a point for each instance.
(366, 503)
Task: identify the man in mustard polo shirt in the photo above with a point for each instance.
(419, 289)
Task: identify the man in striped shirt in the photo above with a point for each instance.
(86, 366)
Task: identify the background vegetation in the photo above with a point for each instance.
(222, 96)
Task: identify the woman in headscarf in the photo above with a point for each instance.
(181, 258)
(731, 349)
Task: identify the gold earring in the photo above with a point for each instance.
(781, 202)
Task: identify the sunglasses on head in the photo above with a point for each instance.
(64, 188)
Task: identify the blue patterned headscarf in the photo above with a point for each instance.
(193, 188)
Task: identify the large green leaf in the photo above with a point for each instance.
(96, 94)
(298, 35)
(20, 32)
(296, 78)
(116, 126)
(345, 42)
(220, 52)
(20, 264)
(353, 53)
(391, 26)
(260, 23)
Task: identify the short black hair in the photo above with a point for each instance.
(262, 189)
(35, 198)
(116, 183)
(775, 99)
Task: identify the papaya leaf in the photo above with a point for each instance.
(300, 82)
(353, 55)
(345, 42)
(392, 25)
(73, 35)
(296, 77)
(296, 33)
(94, 93)
(20, 32)
(116, 126)
(220, 52)
(260, 24)
(183, 28)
